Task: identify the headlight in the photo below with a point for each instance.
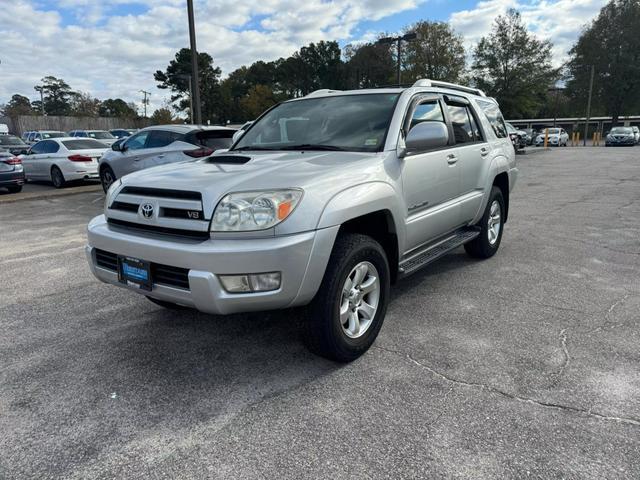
(114, 186)
(247, 211)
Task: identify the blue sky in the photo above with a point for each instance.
(110, 48)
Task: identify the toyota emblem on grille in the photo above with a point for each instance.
(146, 209)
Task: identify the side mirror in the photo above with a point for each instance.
(426, 136)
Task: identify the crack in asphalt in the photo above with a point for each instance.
(565, 351)
(613, 306)
(497, 391)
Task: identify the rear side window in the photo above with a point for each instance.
(161, 138)
(493, 114)
(215, 139)
(84, 144)
(465, 128)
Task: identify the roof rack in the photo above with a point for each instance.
(322, 91)
(452, 86)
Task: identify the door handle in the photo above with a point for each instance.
(161, 156)
(484, 151)
(452, 159)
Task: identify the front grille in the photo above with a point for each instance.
(162, 193)
(176, 277)
(176, 232)
(126, 207)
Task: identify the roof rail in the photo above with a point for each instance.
(323, 91)
(452, 86)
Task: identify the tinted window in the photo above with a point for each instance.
(84, 144)
(428, 111)
(52, 134)
(100, 135)
(464, 126)
(493, 114)
(346, 122)
(49, 146)
(161, 138)
(215, 139)
(622, 130)
(136, 142)
(37, 148)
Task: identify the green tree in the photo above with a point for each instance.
(258, 99)
(321, 64)
(84, 105)
(116, 107)
(57, 95)
(612, 45)
(18, 105)
(176, 78)
(162, 116)
(368, 65)
(438, 53)
(514, 66)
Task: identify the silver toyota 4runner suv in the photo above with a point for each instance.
(324, 202)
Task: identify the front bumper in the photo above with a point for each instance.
(301, 258)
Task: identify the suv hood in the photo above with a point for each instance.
(323, 172)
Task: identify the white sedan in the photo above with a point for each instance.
(60, 160)
(557, 137)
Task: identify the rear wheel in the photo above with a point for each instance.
(57, 178)
(344, 318)
(491, 226)
(107, 177)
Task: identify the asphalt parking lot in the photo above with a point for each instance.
(525, 365)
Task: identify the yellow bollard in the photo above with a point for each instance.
(593, 140)
(574, 141)
(577, 139)
(546, 137)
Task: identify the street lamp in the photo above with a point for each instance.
(196, 116)
(398, 40)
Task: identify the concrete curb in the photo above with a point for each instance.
(17, 197)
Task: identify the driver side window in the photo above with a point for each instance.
(427, 111)
(137, 141)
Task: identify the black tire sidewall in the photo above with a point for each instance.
(322, 331)
(57, 173)
(103, 170)
(490, 250)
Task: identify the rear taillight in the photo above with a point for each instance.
(79, 158)
(199, 152)
(13, 161)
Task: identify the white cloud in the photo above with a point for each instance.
(111, 54)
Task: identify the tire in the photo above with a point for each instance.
(57, 178)
(14, 188)
(167, 305)
(323, 331)
(107, 177)
(486, 244)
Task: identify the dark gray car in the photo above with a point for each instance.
(11, 172)
(13, 144)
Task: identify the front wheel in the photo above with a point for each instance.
(107, 177)
(491, 226)
(57, 178)
(345, 317)
(15, 188)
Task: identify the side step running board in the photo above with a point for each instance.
(434, 252)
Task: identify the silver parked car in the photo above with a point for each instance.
(101, 135)
(325, 201)
(153, 146)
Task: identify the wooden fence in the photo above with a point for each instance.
(24, 123)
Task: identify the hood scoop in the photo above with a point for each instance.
(228, 159)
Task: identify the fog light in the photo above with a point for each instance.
(258, 282)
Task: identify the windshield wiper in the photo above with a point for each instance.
(252, 147)
(312, 146)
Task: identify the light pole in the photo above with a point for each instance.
(398, 40)
(145, 101)
(196, 116)
(40, 88)
(586, 125)
(557, 91)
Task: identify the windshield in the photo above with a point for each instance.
(625, 130)
(552, 131)
(100, 135)
(10, 140)
(53, 134)
(84, 144)
(346, 122)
